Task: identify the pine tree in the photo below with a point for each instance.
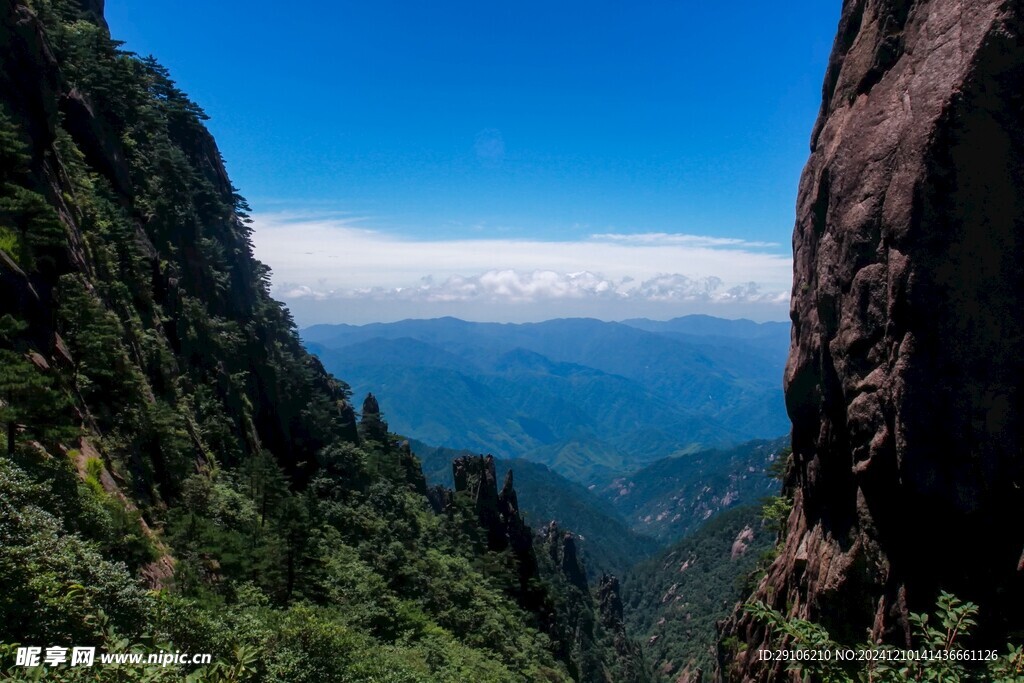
(23, 212)
(29, 404)
(14, 158)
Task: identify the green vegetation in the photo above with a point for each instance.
(942, 638)
(674, 600)
(29, 228)
(31, 406)
(674, 496)
(592, 631)
(338, 582)
(178, 473)
(9, 242)
(776, 508)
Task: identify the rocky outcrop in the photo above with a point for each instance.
(504, 529)
(905, 376)
(690, 675)
(609, 602)
(370, 405)
(93, 11)
(100, 144)
(570, 562)
(550, 581)
(630, 659)
(412, 471)
(372, 427)
(498, 512)
(742, 542)
(561, 548)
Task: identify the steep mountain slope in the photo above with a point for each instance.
(589, 634)
(605, 542)
(673, 601)
(165, 429)
(674, 496)
(585, 397)
(905, 377)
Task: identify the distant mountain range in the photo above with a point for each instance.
(590, 399)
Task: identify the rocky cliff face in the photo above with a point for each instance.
(561, 547)
(905, 376)
(498, 511)
(587, 630)
(593, 629)
(71, 129)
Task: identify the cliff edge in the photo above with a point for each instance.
(905, 374)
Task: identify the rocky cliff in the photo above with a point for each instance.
(593, 628)
(587, 630)
(498, 511)
(905, 375)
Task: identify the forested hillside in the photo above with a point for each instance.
(589, 399)
(674, 496)
(178, 473)
(674, 600)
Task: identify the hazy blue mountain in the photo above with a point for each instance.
(605, 539)
(769, 340)
(710, 326)
(674, 496)
(588, 398)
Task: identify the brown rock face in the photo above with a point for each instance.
(561, 547)
(906, 370)
(497, 511)
(93, 11)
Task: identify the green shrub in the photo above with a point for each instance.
(947, 631)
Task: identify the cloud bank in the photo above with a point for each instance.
(515, 287)
(329, 269)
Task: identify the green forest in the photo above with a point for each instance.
(178, 473)
(675, 599)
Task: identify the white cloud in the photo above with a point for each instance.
(515, 287)
(332, 259)
(667, 238)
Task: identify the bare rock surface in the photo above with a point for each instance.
(905, 375)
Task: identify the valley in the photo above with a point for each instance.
(187, 464)
(589, 399)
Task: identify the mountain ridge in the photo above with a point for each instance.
(672, 497)
(598, 393)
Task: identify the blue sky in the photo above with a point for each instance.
(507, 161)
